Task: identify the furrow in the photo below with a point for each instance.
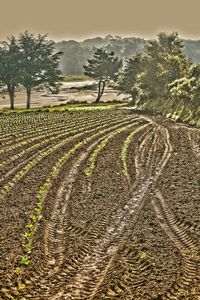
(187, 247)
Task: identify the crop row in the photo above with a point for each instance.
(65, 130)
(63, 135)
(42, 154)
(125, 148)
(42, 128)
(32, 118)
(21, 120)
(11, 129)
(93, 157)
(14, 125)
(45, 187)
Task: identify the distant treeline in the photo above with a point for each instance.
(75, 54)
(159, 78)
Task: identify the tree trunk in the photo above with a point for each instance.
(133, 96)
(100, 90)
(11, 92)
(28, 103)
(12, 96)
(103, 87)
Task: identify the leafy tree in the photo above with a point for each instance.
(102, 67)
(10, 72)
(186, 90)
(39, 62)
(194, 71)
(166, 62)
(128, 75)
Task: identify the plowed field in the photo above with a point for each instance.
(98, 205)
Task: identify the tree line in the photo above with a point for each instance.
(162, 71)
(28, 61)
(75, 54)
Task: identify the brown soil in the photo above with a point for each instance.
(108, 236)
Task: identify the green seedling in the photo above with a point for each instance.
(125, 148)
(27, 234)
(38, 209)
(34, 218)
(40, 204)
(142, 255)
(18, 271)
(30, 226)
(93, 157)
(27, 246)
(21, 286)
(87, 172)
(39, 196)
(25, 260)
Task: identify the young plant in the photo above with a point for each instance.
(25, 260)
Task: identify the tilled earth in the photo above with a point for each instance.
(128, 229)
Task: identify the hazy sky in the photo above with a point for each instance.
(79, 19)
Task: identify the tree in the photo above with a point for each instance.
(186, 90)
(39, 62)
(165, 63)
(102, 67)
(10, 67)
(128, 75)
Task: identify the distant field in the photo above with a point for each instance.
(74, 78)
(71, 92)
(70, 107)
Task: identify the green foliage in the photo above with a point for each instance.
(34, 218)
(28, 234)
(18, 271)
(185, 90)
(38, 61)
(165, 62)
(163, 76)
(142, 255)
(29, 60)
(173, 109)
(149, 75)
(27, 246)
(102, 144)
(102, 67)
(21, 286)
(127, 76)
(125, 149)
(30, 226)
(10, 73)
(76, 53)
(93, 157)
(25, 260)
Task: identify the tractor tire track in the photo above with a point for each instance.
(53, 249)
(96, 265)
(87, 259)
(187, 247)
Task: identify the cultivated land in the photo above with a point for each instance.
(98, 204)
